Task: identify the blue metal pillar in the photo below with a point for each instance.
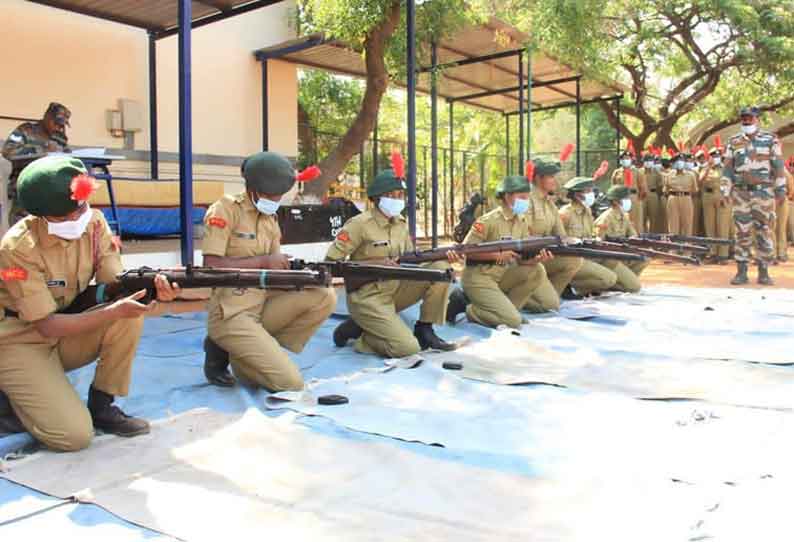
(578, 127)
(185, 134)
(451, 163)
(521, 111)
(265, 108)
(154, 162)
(411, 67)
(434, 142)
(529, 107)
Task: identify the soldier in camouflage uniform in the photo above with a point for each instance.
(755, 172)
(30, 141)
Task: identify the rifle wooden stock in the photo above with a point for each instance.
(134, 280)
(515, 245)
(658, 244)
(358, 274)
(649, 252)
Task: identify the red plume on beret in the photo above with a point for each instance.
(566, 151)
(529, 170)
(398, 164)
(628, 178)
(630, 148)
(718, 142)
(309, 174)
(82, 187)
(671, 152)
(601, 170)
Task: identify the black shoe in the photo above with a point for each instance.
(763, 275)
(346, 331)
(9, 423)
(570, 294)
(429, 340)
(741, 274)
(109, 418)
(457, 305)
(216, 365)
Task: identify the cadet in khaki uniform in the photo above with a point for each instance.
(46, 260)
(697, 166)
(653, 181)
(544, 219)
(248, 329)
(679, 187)
(380, 236)
(578, 221)
(782, 219)
(790, 185)
(638, 192)
(32, 140)
(717, 212)
(615, 222)
(496, 286)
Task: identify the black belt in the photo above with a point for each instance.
(678, 194)
(11, 314)
(652, 190)
(708, 190)
(633, 190)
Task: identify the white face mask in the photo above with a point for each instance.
(678, 164)
(266, 206)
(626, 204)
(391, 207)
(657, 167)
(589, 199)
(71, 229)
(626, 162)
(749, 129)
(716, 160)
(648, 165)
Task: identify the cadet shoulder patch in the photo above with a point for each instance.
(343, 236)
(479, 227)
(217, 221)
(13, 273)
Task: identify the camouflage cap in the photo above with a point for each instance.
(59, 113)
(543, 169)
(512, 184)
(749, 111)
(384, 182)
(44, 187)
(579, 184)
(268, 173)
(617, 192)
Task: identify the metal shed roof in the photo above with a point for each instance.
(464, 78)
(156, 16)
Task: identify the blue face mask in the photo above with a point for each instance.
(626, 204)
(679, 164)
(391, 207)
(520, 206)
(266, 206)
(589, 199)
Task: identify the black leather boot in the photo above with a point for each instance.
(457, 305)
(110, 418)
(216, 365)
(346, 331)
(570, 294)
(741, 274)
(763, 275)
(9, 423)
(429, 340)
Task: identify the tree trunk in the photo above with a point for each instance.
(377, 83)
(306, 140)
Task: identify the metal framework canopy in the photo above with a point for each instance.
(159, 17)
(478, 66)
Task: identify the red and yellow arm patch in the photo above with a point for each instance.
(343, 236)
(479, 227)
(216, 221)
(13, 273)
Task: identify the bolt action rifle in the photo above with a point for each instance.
(357, 274)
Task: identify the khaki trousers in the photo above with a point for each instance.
(628, 274)
(679, 215)
(498, 302)
(790, 222)
(254, 337)
(637, 213)
(559, 272)
(717, 221)
(593, 277)
(781, 227)
(697, 214)
(376, 307)
(654, 214)
(33, 376)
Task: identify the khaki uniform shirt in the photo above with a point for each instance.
(710, 181)
(578, 220)
(653, 180)
(637, 176)
(46, 273)
(684, 181)
(614, 223)
(544, 219)
(372, 236)
(236, 229)
(499, 224)
(29, 140)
